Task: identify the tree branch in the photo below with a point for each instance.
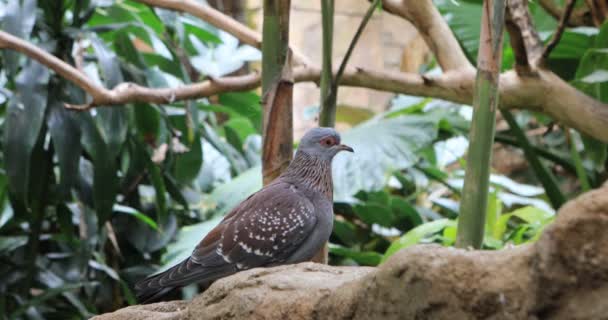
(544, 93)
(557, 35)
(525, 41)
(220, 21)
(126, 92)
(436, 33)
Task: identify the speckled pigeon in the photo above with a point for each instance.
(288, 221)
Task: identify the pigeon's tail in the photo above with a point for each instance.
(149, 290)
(154, 288)
(151, 295)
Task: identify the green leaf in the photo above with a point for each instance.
(228, 195)
(233, 137)
(403, 209)
(147, 121)
(108, 63)
(374, 214)
(10, 243)
(382, 146)
(64, 218)
(464, 19)
(187, 239)
(345, 231)
(105, 180)
(18, 19)
(23, 123)
(493, 211)
(415, 235)
(596, 151)
(174, 191)
(449, 235)
(65, 134)
(125, 48)
(364, 258)
(188, 164)
(531, 215)
(140, 216)
(590, 69)
(159, 187)
(246, 104)
(46, 295)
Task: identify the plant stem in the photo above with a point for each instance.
(327, 116)
(329, 84)
(277, 88)
(275, 35)
(578, 162)
(546, 178)
(548, 155)
(351, 46)
(485, 102)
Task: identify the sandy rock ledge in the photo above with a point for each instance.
(562, 276)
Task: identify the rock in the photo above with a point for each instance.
(172, 310)
(564, 275)
(285, 292)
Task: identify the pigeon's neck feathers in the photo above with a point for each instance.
(311, 172)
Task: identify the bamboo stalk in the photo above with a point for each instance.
(485, 102)
(327, 116)
(329, 82)
(277, 88)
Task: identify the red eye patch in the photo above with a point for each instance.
(329, 141)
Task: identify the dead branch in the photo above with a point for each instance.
(525, 41)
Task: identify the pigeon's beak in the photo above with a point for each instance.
(344, 147)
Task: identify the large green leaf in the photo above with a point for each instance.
(18, 20)
(592, 78)
(371, 213)
(415, 235)
(364, 258)
(246, 104)
(535, 217)
(188, 164)
(65, 133)
(382, 145)
(24, 120)
(111, 122)
(187, 239)
(228, 195)
(105, 180)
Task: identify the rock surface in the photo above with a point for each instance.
(564, 275)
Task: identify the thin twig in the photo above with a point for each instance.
(353, 43)
(563, 21)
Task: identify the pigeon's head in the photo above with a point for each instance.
(322, 142)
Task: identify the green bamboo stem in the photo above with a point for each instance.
(329, 83)
(546, 178)
(474, 200)
(327, 116)
(275, 35)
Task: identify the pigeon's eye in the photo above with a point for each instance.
(328, 141)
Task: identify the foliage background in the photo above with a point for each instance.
(92, 201)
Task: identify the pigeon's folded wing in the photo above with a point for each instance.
(267, 228)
